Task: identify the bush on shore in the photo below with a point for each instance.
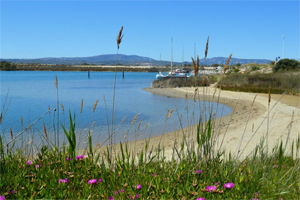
(284, 65)
(182, 82)
(278, 82)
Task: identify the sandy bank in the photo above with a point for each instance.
(251, 120)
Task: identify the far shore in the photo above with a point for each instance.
(284, 120)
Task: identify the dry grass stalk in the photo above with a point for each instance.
(269, 99)
(21, 120)
(81, 106)
(226, 66)
(49, 110)
(95, 105)
(170, 114)
(196, 65)
(125, 135)
(56, 82)
(98, 144)
(45, 130)
(206, 49)
(29, 127)
(203, 80)
(62, 108)
(11, 134)
(123, 120)
(139, 125)
(253, 100)
(120, 36)
(208, 79)
(214, 92)
(134, 119)
(79, 134)
(146, 126)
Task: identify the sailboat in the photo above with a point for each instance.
(171, 74)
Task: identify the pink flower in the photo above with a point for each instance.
(2, 197)
(63, 180)
(216, 183)
(111, 198)
(92, 181)
(100, 180)
(137, 195)
(155, 174)
(200, 198)
(228, 185)
(68, 158)
(122, 190)
(79, 157)
(37, 166)
(28, 162)
(210, 188)
(138, 187)
(12, 192)
(198, 172)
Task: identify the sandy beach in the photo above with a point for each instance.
(246, 123)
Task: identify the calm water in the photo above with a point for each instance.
(31, 93)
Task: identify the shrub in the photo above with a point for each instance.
(236, 70)
(254, 68)
(7, 66)
(287, 65)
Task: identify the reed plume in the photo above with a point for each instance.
(21, 120)
(170, 114)
(146, 126)
(134, 119)
(206, 49)
(120, 36)
(56, 82)
(95, 105)
(196, 65)
(79, 134)
(62, 107)
(139, 125)
(226, 66)
(81, 106)
(11, 134)
(45, 130)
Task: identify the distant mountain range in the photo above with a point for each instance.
(110, 59)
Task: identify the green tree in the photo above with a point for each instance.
(7, 66)
(287, 65)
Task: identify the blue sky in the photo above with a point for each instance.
(247, 29)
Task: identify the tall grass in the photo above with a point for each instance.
(197, 168)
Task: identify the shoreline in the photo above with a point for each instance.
(231, 127)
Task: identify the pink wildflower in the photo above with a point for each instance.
(28, 162)
(200, 198)
(92, 181)
(63, 180)
(2, 197)
(210, 188)
(228, 185)
(198, 172)
(79, 157)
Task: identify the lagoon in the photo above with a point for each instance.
(31, 93)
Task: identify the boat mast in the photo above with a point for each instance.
(182, 58)
(171, 55)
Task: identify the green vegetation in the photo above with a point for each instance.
(182, 82)
(254, 68)
(284, 65)
(260, 83)
(7, 66)
(200, 172)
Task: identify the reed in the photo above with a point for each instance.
(206, 48)
(226, 65)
